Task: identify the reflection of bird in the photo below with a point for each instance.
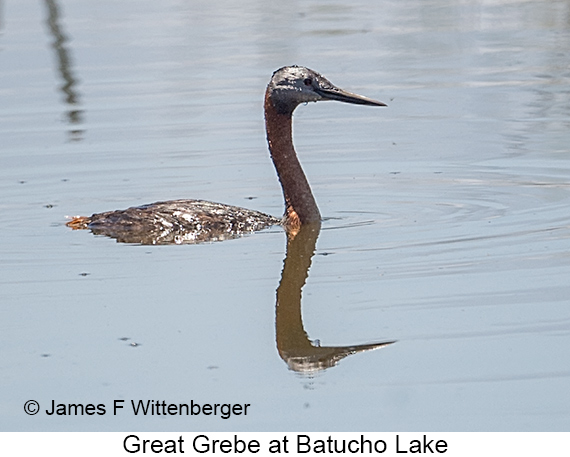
(295, 348)
(194, 221)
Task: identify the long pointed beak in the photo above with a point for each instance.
(338, 94)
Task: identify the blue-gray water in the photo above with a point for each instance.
(447, 214)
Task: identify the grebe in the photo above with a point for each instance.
(196, 221)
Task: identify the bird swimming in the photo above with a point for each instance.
(196, 221)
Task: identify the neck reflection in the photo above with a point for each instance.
(293, 343)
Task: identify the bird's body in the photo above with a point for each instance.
(176, 222)
(196, 221)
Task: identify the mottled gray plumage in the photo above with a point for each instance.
(178, 222)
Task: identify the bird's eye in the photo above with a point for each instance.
(308, 82)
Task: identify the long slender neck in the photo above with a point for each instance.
(300, 205)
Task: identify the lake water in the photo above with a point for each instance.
(447, 224)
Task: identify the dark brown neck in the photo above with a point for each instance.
(300, 205)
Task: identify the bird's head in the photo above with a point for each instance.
(291, 86)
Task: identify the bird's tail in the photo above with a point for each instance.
(78, 222)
